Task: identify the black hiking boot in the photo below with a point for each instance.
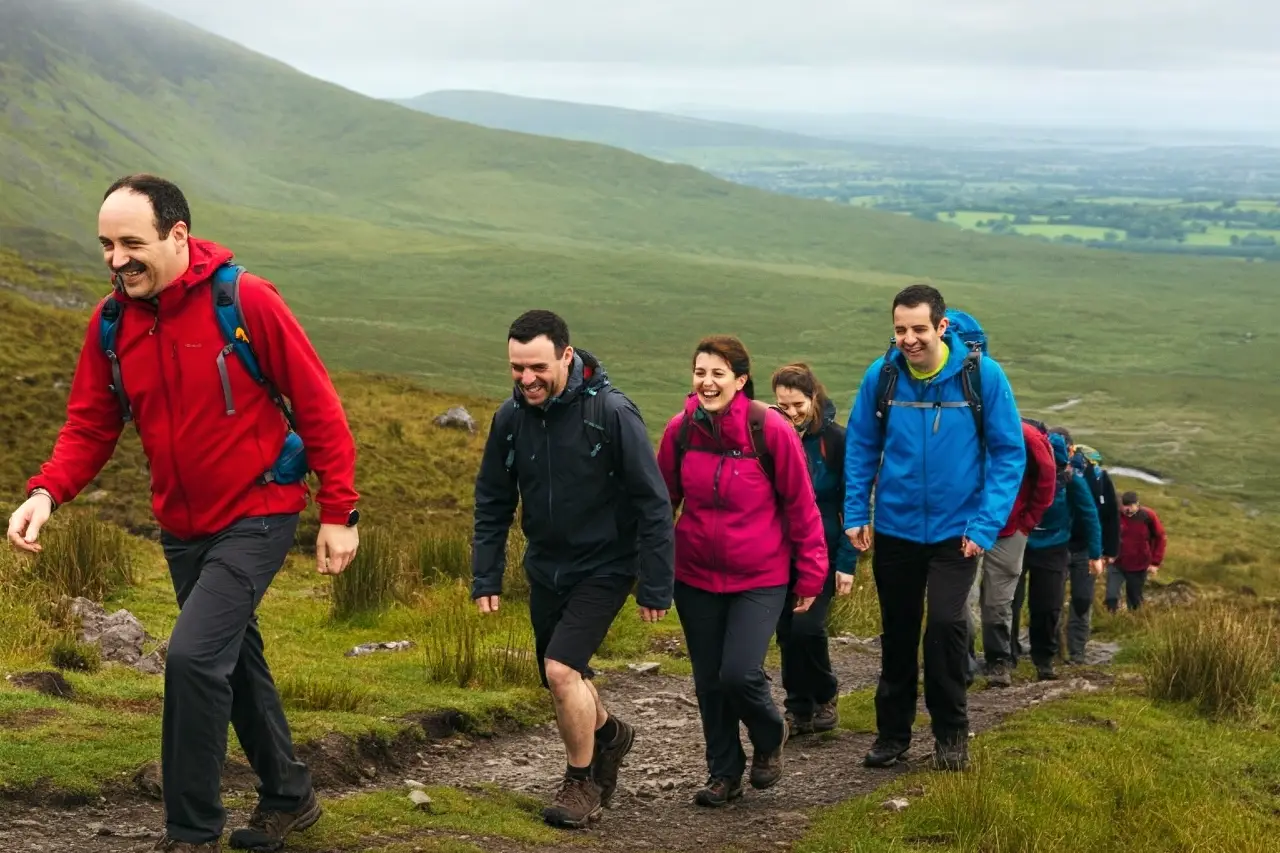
(826, 717)
(999, 676)
(608, 760)
(798, 725)
(267, 829)
(885, 753)
(1044, 672)
(766, 770)
(951, 753)
(171, 845)
(577, 803)
(718, 792)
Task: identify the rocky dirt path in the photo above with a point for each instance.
(652, 809)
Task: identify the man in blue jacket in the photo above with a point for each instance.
(946, 470)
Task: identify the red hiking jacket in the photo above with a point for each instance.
(204, 463)
(737, 531)
(1142, 541)
(1039, 481)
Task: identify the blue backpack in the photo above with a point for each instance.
(291, 465)
(974, 338)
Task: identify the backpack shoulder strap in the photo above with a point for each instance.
(756, 415)
(971, 383)
(225, 288)
(885, 385)
(108, 335)
(682, 445)
(507, 420)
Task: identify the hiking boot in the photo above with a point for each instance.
(608, 760)
(171, 845)
(1077, 660)
(718, 792)
(798, 725)
(951, 753)
(576, 804)
(826, 717)
(999, 676)
(885, 753)
(267, 829)
(766, 770)
(1044, 672)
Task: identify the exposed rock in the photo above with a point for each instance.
(420, 800)
(457, 418)
(48, 683)
(119, 635)
(149, 780)
(644, 668)
(415, 785)
(370, 648)
(895, 805)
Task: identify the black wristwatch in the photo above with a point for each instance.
(353, 518)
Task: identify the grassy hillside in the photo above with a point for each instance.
(652, 133)
(407, 243)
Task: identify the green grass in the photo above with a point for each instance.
(1106, 772)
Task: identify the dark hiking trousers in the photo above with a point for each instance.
(904, 572)
(728, 635)
(1046, 570)
(1080, 619)
(215, 673)
(807, 675)
(1134, 584)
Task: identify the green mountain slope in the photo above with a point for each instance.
(408, 242)
(634, 130)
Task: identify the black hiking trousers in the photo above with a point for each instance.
(903, 572)
(807, 674)
(1046, 573)
(215, 673)
(728, 635)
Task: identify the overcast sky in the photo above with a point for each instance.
(1184, 63)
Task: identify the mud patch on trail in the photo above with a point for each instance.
(17, 721)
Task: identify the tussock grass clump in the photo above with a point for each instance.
(444, 556)
(467, 649)
(68, 653)
(1220, 658)
(318, 693)
(857, 613)
(84, 557)
(370, 584)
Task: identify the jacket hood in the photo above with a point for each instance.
(1059, 449)
(587, 373)
(205, 257)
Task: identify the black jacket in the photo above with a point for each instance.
(1104, 495)
(593, 499)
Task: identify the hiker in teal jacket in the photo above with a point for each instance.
(1044, 566)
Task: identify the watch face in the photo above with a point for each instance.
(353, 518)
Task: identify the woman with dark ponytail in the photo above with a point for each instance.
(736, 471)
(807, 674)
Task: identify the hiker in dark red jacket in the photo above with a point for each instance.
(226, 497)
(737, 538)
(1142, 544)
(1002, 565)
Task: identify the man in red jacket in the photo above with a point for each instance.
(228, 512)
(1142, 544)
(1002, 565)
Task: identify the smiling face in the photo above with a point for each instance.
(134, 249)
(795, 405)
(714, 382)
(540, 373)
(916, 336)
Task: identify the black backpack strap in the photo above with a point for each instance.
(682, 444)
(885, 385)
(971, 382)
(755, 420)
(109, 318)
(508, 421)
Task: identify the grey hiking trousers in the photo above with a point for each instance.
(215, 673)
(1001, 568)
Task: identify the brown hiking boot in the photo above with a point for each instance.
(267, 829)
(798, 725)
(766, 770)
(172, 845)
(718, 791)
(608, 760)
(999, 675)
(826, 717)
(576, 804)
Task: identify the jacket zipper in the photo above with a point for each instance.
(546, 438)
(168, 404)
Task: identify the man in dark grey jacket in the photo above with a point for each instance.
(596, 515)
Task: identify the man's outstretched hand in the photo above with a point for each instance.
(26, 521)
(488, 603)
(648, 614)
(335, 548)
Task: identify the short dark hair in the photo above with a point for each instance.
(1129, 498)
(1062, 431)
(531, 324)
(734, 353)
(922, 294)
(167, 201)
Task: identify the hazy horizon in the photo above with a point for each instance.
(1181, 65)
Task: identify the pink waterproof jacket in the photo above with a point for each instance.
(736, 530)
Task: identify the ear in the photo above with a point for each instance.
(740, 382)
(568, 355)
(942, 327)
(179, 234)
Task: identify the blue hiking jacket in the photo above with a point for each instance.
(828, 486)
(1073, 507)
(933, 481)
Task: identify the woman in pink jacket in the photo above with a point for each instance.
(749, 517)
